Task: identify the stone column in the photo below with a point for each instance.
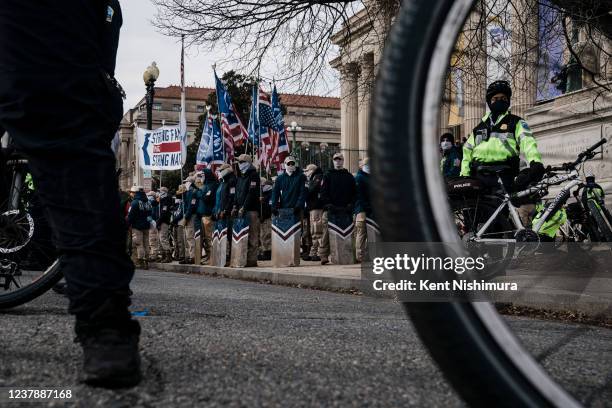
(366, 84)
(124, 152)
(445, 104)
(349, 108)
(473, 60)
(524, 54)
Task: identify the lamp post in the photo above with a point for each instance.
(150, 76)
(294, 128)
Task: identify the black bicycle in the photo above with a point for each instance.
(29, 265)
(471, 343)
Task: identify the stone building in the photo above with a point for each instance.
(563, 122)
(319, 118)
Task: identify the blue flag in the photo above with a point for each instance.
(254, 118)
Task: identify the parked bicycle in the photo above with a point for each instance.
(489, 221)
(28, 262)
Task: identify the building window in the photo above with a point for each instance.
(200, 109)
(176, 107)
(157, 106)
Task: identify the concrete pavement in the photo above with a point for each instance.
(212, 342)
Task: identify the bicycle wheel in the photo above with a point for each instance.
(599, 222)
(470, 342)
(28, 261)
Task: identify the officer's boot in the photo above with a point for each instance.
(109, 338)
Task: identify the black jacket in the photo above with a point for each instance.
(266, 210)
(338, 188)
(247, 191)
(166, 205)
(313, 202)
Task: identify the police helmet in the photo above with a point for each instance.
(496, 87)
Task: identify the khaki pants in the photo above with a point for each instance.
(324, 243)
(265, 235)
(179, 241)
(164, 241)
(189, 239)
(153, 242)
(316, 230)
(208, 225)
(140, 240)
(527, 213)
(361, 236)
(253, 247)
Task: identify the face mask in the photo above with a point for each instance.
(290, 169)
(266, 188)
(366, 168)
(244, 166)
(177, 201)
(309, 173)
(499, 107)
(446, 145)
(224, 173)
(338, 164)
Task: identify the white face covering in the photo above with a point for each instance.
(366, 168)
(244, 167)
(177, 201)
(290, 169)
(309, 173)
(338, 164)
(224, 173)
(446, 145)
(266, 188)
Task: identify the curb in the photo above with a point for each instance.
(267, 275)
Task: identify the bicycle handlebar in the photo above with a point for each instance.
(588, 154)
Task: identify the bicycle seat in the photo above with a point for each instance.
(492, 169)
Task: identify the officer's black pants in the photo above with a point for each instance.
(64, 123)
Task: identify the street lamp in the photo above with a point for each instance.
(150, 76)
(294, 128)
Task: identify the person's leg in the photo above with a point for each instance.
(146, 244)
(180, 242)
(360, 236)
(315, 233)
(324, 245)
(190, 239)
(153, 244)
(253, 217)
(137, 240)
(208, 226)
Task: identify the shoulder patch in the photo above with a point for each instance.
(525, 125)
(109, 14)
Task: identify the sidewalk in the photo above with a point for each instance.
(308, 274)
(595, 298)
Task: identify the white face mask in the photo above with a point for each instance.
(338, 164)
(309, 173)
(290, 169)
(224, 173)
(366, 168)
(266, 188)
(446, 145)
(244, 166)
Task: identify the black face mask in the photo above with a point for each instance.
(499, 107)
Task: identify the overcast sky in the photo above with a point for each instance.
(140, 44)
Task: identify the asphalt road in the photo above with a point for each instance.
(219, 342)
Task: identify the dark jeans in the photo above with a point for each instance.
(63, 124)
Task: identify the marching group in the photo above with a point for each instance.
(166, 227)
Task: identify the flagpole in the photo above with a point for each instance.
(214, 67)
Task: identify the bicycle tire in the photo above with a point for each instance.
(603, 230)
(469, 341)
(52, 275)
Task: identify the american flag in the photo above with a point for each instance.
(234, 132)
(281, 147)
(274, 146)
(254, 119)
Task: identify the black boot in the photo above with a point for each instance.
(109, 338)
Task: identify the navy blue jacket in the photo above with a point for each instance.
(362, 202)
(140, 212)
(290, 191)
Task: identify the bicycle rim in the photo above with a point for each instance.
(470, 342)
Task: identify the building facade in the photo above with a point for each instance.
(515, 44)
(318, 117)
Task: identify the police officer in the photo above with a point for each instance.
(62, 107)
(499, 139)
(247, 203)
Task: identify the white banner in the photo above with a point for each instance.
(162, 148)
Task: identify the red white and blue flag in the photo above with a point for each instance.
(273, 146)
(234, 132)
